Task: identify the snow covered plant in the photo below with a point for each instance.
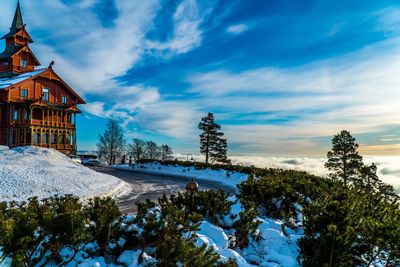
(343, 225)
(61, 231)
(34, 232)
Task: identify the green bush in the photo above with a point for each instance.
(344, 225)
(213, 205)
(35, 232)
(246, 226)
(63, 220)
(19, 238)
(104, 227)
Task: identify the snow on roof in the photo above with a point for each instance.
(6, 82)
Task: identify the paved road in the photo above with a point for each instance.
(152, 186)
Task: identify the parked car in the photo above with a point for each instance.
(75, 159)
(90, 160)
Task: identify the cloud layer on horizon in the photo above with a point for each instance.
(388, 167)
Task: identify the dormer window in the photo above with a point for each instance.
(64, 100)
(45, 94)
(24, 63)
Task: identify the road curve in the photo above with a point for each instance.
(152, 186)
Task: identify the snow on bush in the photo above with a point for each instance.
(32, 171)
(272, 248)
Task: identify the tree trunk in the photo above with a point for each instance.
(207, 147)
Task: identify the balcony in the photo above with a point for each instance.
(50, 123)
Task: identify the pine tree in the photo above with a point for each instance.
(137, 149)
(212, 145)
(112, 143)
(166, 152)
(344, 162)
(219, 152)
(368, 179)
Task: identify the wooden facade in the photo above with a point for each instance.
(36, 106)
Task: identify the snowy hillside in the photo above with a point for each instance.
(31, 171)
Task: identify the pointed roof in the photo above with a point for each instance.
(17, 24)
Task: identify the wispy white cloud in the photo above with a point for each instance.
(237, 28)
(389, 20)
(187, 33)
(90, 56)
(170, 118)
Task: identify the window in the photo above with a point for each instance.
(54, 138)
(27, 114)
(45, 138)
(45, 94)
(21, 137)
(15, 115)
(24, 93)
(14, 137)
(24, 63)
(64, 100)
(36, 137)
(28, 137)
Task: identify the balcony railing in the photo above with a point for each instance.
(50, 123)
(57, 147)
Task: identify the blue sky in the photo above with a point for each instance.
(281, 77)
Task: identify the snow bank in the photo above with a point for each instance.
(227, 178)
(32, 171)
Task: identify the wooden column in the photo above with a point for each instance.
(40, 137)
(58, 138)
(31, 135)
(75, 144)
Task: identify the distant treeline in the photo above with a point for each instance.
(114, 148)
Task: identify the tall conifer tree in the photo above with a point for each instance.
(212, 145)
(344, 162)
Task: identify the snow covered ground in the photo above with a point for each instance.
(32, 171)
(226, 178)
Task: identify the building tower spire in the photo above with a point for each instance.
(18, 22)
(17, 56)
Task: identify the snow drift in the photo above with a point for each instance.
(32, 171)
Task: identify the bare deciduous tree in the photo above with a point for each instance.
(137, 149)
(112, 143)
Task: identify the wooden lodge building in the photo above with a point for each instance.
(36, 106)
